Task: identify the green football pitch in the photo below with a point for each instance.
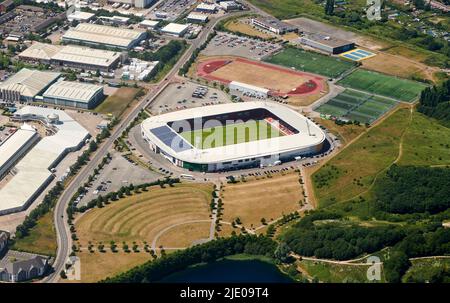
(231, 134)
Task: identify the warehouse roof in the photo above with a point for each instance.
(175, 28)
(75, 91)
(103, 34)
(15, 142)
(33, 170)
(29, 82)
(326, 40)
(81, 16)
(249, 86)
(86, 55)
(197, 16)
(149, 23)
(41, 51)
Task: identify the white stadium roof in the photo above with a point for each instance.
(102, 34)
(309, 134)
(75, 91)
(32, 172)
(29, 82)
(249, 87)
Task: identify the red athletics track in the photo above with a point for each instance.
(312, 86)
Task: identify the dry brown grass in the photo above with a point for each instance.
(142, 216)
(241, 27)
(398, 66)
(267, 198)
(184, 235)
(346, 133)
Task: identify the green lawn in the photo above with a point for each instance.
(311, 62)
(41, 239)
(376, 83)
(231, 134)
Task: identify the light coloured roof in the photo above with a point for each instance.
(75, 91)
(206, 6)
(103, 34)
(86, 55)
(249, 86)
(309, 134)
(175, 28)
(150, 23)
(29, 82)
(79, 15)
(33, 169)
(40, 51)
(197, 16)
(15, 142)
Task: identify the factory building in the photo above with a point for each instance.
(135, 3)
(229, 5)
(26, 84)
(273, 25)
(104, 36)
(80, 16)
(15, 146)
(206, 8)
(74, 94)
(149, 24)
(71, 56)
(175, 29)
(197, 18)
(327, 44)
(248, 89)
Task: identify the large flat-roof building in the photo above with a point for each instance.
(103, 36)
(74, 94)
(175, 29)
(248, 89)
(15, 147)
(79, 57)
(197, 18)
(26, 84)
(273, 25)
(135, 3)
(80, 16)
(327, 43)
(32, 173)
(206, 8)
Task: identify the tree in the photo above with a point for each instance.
(396, 266)
(282, 252)
(329, 7)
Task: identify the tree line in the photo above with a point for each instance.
(435, 102)
(156, 270)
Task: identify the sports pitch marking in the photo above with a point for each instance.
(357, 54)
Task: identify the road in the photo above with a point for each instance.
(60, 216)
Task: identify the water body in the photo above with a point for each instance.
(230, 271)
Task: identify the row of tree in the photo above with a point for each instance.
(185, 68)
(156, 270)
(435, 102)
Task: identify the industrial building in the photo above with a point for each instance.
(273, 25)
(80, 16)
(149, 24)
(15, 147)
(301, 137)
(114, 20)
(326, 43)
(32, 172)
(135, 3)
(197, 18)
(74, 94)
(229, 5)
(104, 36)
(72, 56)
(26, 84)
(248, 89)
(175, 29)
(206, 8)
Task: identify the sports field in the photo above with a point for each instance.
(311, 62)
(231, 134)
(279, 80)
(376, 83)
(357, 106)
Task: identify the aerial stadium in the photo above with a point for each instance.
(232, 136)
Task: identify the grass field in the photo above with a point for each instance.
(117, 103)
(267, 198)
(352, 171)
(336, 273)
(311, 62)
(357, 106)
(345, 133)
(376, 83)
(41, 239)
(240, 27)
(422, 270)
(231, 134)
(142, 217)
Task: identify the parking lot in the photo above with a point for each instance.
(225, 44)
(117, 173)
(178, 96)
(171, 9)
